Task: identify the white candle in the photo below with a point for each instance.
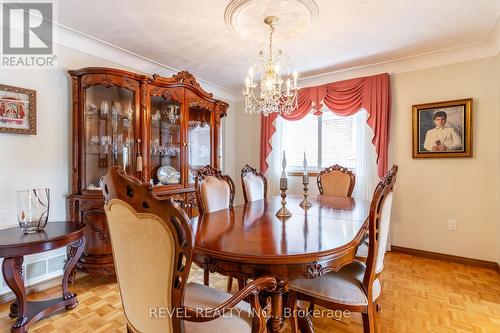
(295, 75)
(283, 164)
(288, 87)
(305, 163)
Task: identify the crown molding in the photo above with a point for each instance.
(484, 49)
(82, 42)
(489, 47)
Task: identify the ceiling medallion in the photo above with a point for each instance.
(245, 16)
(270, 98)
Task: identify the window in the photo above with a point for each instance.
(327, 139)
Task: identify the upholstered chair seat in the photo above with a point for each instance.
(336, 181)
(362, 251)
(344, 286)
(199, 296)
(254, 184)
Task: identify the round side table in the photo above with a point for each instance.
(14, 245)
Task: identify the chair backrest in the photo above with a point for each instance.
(336, 180)
(152, 245)
(214, 191)
(379, 221)
(254, 184)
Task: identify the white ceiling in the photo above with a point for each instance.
(192, 35)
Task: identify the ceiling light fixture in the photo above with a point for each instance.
(271, 98)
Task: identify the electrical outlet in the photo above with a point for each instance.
(452, 225)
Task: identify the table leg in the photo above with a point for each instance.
(12, 270)
(276, 321)
(75, 251)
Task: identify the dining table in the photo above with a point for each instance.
(248, 241)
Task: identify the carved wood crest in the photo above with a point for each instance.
(315, 270)
(210, 265)
(108, 81)
(186, 77)
(202, 104)
(166, 94)
(130, 84)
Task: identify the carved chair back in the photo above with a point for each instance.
(254, 184)
(214, 191)
(152, 246)
(379, 220)
(336, 180)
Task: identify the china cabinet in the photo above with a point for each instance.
(158, 129)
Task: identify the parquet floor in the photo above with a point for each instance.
(419, 295)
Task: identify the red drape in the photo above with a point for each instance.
(343, 98)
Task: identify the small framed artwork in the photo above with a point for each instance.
(442, 129)
(17, 110)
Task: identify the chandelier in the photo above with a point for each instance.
(271, 98)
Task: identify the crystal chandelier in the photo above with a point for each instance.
(272, 98)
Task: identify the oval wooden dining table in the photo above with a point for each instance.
(249, 241)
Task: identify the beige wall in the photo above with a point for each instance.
(247, 144)
(498, 154)
(432, 191)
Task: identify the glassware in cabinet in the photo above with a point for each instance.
(165, 146)
(109, 131)
(199, 137)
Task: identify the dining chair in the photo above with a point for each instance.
(355, 287)
(336, 180)
(152, 248)
(362, 250)
(214, 191)
(254, 184)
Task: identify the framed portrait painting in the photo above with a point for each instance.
(17, 110)
(442, 129)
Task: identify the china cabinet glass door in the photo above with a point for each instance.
(109, 132)
(165, 148)
(199, 136)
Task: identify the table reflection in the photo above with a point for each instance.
(253, 230)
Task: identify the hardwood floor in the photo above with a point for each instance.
(419, 295)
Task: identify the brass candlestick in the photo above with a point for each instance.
(283, 211)
(305, 203)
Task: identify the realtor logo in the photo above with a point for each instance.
(27, 34)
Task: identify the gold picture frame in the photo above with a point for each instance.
(442, 129)
(17, 110)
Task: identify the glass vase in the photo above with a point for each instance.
(33, 209)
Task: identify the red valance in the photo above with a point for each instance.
(343, 98)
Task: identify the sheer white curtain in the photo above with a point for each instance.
(366, 161)
(366, 157)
